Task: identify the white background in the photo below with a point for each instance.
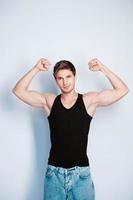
(77, 31)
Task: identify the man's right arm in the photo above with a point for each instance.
(33, 98)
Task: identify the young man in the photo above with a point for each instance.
(69, 115)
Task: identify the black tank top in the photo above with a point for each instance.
(69, 130)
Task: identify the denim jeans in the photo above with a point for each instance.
(68, 183)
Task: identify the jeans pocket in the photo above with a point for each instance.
(84, 173)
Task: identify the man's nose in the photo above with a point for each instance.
(65, 82)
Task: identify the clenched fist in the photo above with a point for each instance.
(95, 65)
(43, 64)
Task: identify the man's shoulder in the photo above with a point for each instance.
(49, 96)
(90, 94)
(89, 97)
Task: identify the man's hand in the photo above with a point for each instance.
(43, 64)
(95, 65)
(111, 95)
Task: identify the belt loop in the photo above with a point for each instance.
(57, 170)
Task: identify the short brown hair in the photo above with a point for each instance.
(63, 64)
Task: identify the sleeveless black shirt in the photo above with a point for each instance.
(69, 134)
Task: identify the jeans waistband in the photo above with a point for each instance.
(66, 170)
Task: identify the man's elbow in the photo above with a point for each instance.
(124, 91)
(16, 92)
(13, 91)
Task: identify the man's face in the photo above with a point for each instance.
(65, 80)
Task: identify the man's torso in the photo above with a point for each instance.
(90, 108)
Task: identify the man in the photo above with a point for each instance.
(69, 115)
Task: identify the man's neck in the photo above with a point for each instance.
(69, 95)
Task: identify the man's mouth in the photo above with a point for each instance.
(66, 86)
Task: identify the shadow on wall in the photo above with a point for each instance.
(41, 148)
(41, 143)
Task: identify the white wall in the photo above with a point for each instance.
(77, 31)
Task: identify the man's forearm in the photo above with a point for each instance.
(115, 81)
(24, 82)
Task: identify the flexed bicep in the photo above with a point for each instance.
(32, 98)
(107, 97)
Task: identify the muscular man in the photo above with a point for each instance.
(69, 115)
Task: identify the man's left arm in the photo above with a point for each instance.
(109, 96)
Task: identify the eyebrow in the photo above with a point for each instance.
(62, 77)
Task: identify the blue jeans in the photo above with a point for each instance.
(68, 183)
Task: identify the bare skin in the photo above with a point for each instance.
(66, 82)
